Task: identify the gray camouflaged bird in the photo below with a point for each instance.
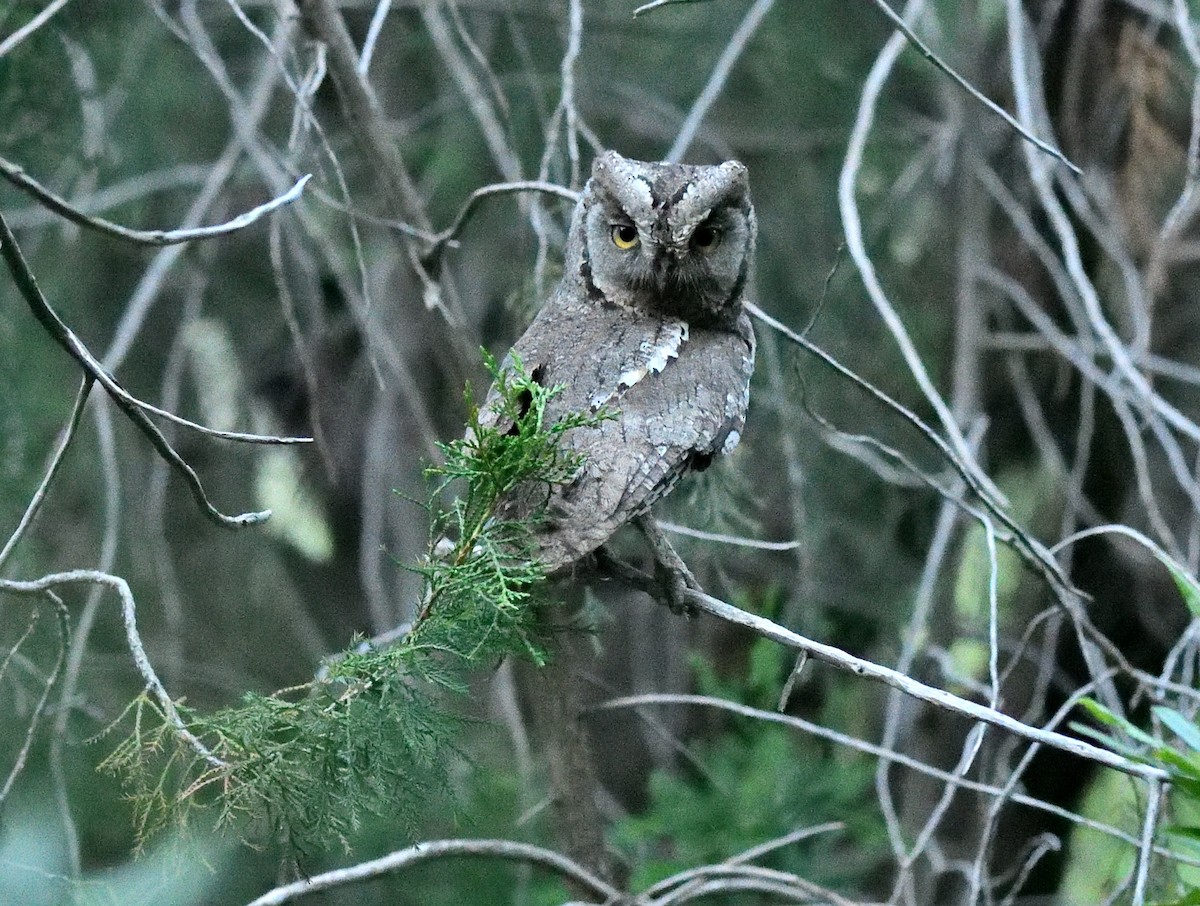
(647, 322)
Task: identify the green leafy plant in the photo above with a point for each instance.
(1181, 759)
(371, 735)
(743, 787)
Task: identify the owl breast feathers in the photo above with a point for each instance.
(648, 323)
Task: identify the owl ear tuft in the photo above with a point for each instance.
(606, 161)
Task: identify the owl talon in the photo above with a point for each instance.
(673, 576)
(664, 585)
(676, 592)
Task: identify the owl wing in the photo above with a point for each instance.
(680, 398)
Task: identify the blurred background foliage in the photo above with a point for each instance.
(112, 105)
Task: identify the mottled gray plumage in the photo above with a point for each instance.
(647, 321)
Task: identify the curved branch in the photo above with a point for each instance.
(58, 330)
(433, 256)
(437, 849)
(132, 638)
(16, 175)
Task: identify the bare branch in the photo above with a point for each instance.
(655, 4)
(888, 755)
(75, 347)
(440, 849)
(970, 89)
(35, 502)
(1154, 796)
(22, 180)
(945, 700)
(239, 436)
(362, 107)
(1031, 550)
(368, 49)
(433, 256)
(132, 639)
(31, 26)
(733, 540)
(64, 638)
(716, 81)
(856, 244)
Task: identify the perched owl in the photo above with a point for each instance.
(647, 322)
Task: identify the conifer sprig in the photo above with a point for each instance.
(372, 734)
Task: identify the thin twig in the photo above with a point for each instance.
(856, 245)
(247, 120)
(1030, 549)
(655, 4)
(440, 849)
(689, 881)
(734, 540)
(378, 18)
(59, 205)
(970, 89)
(39, 495)
(132, 639)
(494, 135)
(64, 639)
(942, 699)
(116, 194)
(239, 436)
(888, 755)
(718, 78)
(1154, 796)
(732, 876)
(432, 257)
(31, 26)
(75, 347)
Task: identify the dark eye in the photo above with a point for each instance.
(624, 236)
(706, 238)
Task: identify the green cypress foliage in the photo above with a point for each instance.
(372, 733)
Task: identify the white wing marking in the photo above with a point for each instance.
(657, 353)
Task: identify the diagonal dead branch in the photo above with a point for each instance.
(906, 684)
(970, 89)
(39, 710)
(1029, 548)
(362, 108)
(35, 502)
(63, 335)
(22, 33)
(16, 175)
(720, 75)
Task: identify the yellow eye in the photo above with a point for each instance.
(624, 236)
(706, 238)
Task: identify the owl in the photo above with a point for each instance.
(647, 323)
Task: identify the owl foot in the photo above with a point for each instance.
(674, 579)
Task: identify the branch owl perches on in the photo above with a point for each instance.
(647, 322)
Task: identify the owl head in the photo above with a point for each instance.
(668, 239)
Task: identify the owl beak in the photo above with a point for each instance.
(661, 265)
